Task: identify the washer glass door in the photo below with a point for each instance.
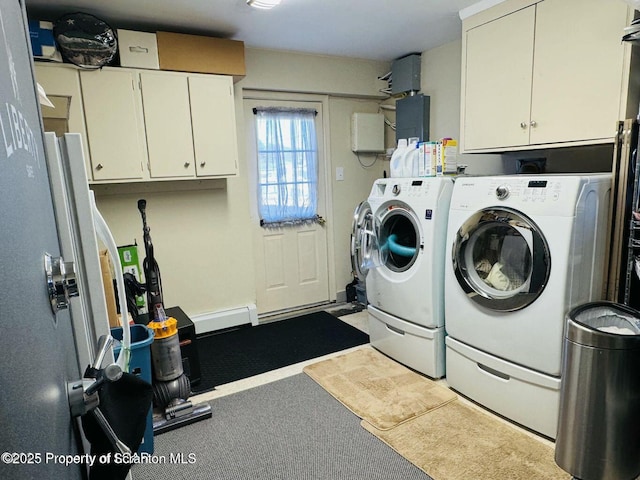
(398, 237)
(501, 259)
(363, 241)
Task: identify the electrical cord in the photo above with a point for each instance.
(375, 159)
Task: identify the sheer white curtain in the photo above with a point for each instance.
(287, 165)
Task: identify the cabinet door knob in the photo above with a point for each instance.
(533, 124)
(186, 164)
(523, 125)
(202, 164)
(99, 166)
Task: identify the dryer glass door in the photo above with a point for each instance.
(501, 259)
(399, 238)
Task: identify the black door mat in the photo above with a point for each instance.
(248, 350)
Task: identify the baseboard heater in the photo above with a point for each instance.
(219, 320)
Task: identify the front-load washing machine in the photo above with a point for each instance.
(523, 250)
(401, 252)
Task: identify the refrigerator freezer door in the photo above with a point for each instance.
(78, 242)
(37, 345)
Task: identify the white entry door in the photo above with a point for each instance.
(291, 261)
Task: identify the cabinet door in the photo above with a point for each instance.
(214, 125)
(63, 81)
(167, 118)
(497, 81)
(114, 124)
(578, 69)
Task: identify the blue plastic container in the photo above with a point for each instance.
(140, 364)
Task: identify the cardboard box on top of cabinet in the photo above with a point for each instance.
(196, 53)
(138, 49)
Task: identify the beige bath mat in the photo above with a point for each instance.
(378, 389)
(458, 442)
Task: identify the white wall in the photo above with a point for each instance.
(440, 79)
(281, 71)
(200, 241)
(202, 237)
(358, 179)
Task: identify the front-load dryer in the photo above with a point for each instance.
(523, 250)
(402, 247)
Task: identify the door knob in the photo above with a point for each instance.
(202, 164)
(186, 164)
(523, 125)
(533, 124)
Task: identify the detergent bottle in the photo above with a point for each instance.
(396, 165)
(410, 158)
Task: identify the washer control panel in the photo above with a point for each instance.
(401, 187)
(416, 188)
(526, 190)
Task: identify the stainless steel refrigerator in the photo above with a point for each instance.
(73, 201)
(45, 223)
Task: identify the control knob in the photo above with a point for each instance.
(502, 192)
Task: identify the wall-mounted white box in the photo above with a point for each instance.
(138, 49)
(367, 133)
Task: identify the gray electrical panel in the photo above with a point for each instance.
(405, 74)
(412, 117)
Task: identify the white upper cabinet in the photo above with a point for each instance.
(548, 73)
(214, 125)
(62, 82)
(167, 119)
(498, 82)
(144, 125)
(115, 130)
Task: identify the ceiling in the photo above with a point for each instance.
(369, 29)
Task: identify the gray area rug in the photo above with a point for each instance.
(291, 429)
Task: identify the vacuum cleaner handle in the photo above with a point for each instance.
(151, 271)
(142, 206)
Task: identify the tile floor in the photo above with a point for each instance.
(358, 320)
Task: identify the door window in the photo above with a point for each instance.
(501, 259)
(399, 239)
(287, 150)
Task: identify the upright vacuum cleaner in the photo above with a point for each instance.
(171, 387)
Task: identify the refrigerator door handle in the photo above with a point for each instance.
(61, 282)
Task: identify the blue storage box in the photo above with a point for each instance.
(43, 44)
(140, 364)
